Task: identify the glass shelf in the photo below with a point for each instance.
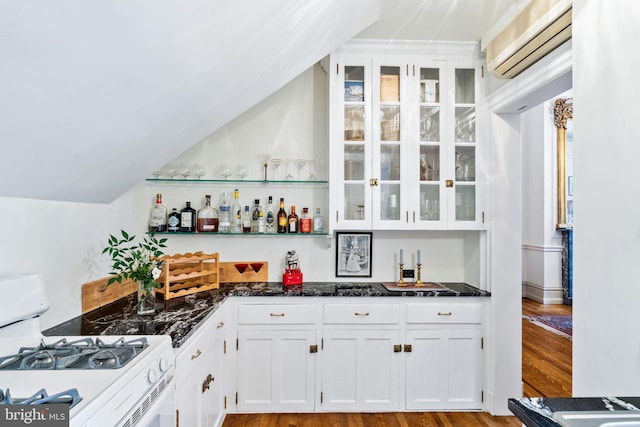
(234, 181)
(184, 233)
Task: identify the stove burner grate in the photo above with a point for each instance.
(70, 397)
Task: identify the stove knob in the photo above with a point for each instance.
(163, 365)
(152, 376)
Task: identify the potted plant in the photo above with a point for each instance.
(139, 262)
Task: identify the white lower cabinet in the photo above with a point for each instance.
(276, 370)
(199, 379)
(361, 370)
(443, 369)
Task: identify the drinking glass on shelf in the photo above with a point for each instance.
(312, 176)
(241, 171)
(264, 162)
(257, 266)
(276, 164)
(241, 267)
(225, 171)
(197, 169)
(170, 169)
(289, 177)
(300, 163)
(183, 170)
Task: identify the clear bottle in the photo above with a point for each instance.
(305, 221)
(246, 220)
(188, 219)
(270, 220)
(236, 213)
(225, 210)
(293, 224)
(282, 217)
(158, 216)
(255, 215)
(261, 223)
(318, 222)
(173, 221)
(208, 218)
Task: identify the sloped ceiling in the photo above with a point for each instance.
(94, 96)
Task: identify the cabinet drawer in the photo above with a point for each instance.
(444, 313)
(276, 314)
(361, 313)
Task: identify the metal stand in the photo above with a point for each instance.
(419, 282)
(401, 282)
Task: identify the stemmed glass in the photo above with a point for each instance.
(241, 267)
(183, 170)
(276, 164)
(170, 169)
(197, 169)
(225, 171)
(241, 171)
(264, 162)
(311, 176)
(289, 176)
(257, 266)
(300, 163)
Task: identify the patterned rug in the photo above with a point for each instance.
(561, 325)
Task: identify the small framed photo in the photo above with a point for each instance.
(353, 254)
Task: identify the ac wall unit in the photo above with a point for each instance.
(542, 26)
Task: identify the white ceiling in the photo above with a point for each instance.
(94, 96)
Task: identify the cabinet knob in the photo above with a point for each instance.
(448, 183)
(373, 182)
(397, 348)
(408, 348)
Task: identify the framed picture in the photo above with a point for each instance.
(353, 254)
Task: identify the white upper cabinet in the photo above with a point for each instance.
(404, 141)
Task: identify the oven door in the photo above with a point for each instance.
(162, 412)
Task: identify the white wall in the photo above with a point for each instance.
(541, 243)
(606, 345)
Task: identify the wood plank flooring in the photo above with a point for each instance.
(546, 372)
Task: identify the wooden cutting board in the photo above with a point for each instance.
(97, 294)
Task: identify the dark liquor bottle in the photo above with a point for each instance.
(255, 215)
(293, 225)
(305, 221)
(158, 216)
(208, 218)
(246, 220)
(174, 221)
(188, 219)
(282, 218)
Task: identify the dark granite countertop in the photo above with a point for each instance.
(179, 317)
(538, 412)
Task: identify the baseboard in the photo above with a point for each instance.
(543, 295)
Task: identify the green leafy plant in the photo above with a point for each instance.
(135, 261)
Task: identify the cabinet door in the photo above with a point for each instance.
(276, 371)
(361, 370)
(199, 388)
(444, 369)
(351, 136)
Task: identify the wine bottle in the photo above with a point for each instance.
(208, 218)
(293, 224)
(246, 220)
(188, 219)
(236, 213)
(173, 221)
(158, 216)
(270, 225)
(305, 221)
(282, 217)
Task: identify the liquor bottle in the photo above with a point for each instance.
(305, 221)
(261, 225)
(318, 222)
(270, 226)
(208, 218)
(293, 224)
(225, 210)
(255, 215)
(158, 216)
(246, 220)
(188, 219)
(236, 213)
(282, 217)
(173, 221)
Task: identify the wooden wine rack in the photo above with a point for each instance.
(185, 274)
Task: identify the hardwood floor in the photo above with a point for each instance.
(546, 372)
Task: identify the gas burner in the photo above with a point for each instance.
(80, 354)
(70, 397)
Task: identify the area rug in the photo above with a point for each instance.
(561, 325)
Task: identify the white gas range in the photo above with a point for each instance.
(107, 381)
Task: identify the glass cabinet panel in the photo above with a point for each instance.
(465, 163)
(429, 202)
(354, 201)
(354, 123)
(390, 162)
(465, 124)
(429, 163)
(465, 203)
(429, 85)
(390, 202)
(353, 162)
(353, 83)
(429, 124)
(465, 86)
(389, 84)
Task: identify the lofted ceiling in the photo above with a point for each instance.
(97, 95)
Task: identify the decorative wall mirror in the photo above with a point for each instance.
(564, 125)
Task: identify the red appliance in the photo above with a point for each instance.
(292, 274)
